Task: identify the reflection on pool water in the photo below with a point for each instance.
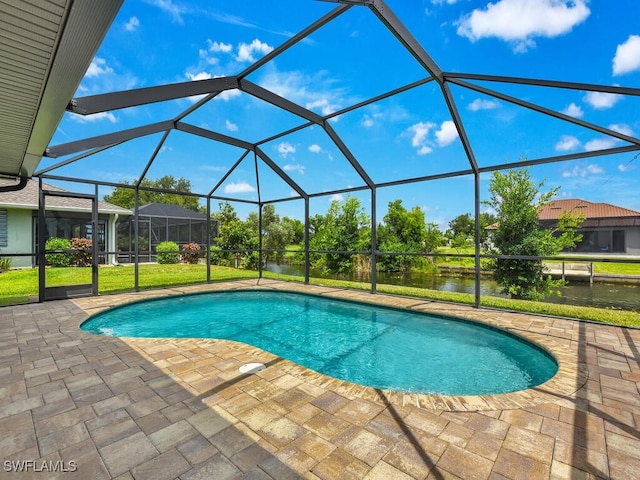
(379, 347)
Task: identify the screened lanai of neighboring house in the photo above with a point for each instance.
(264, 109)
(157, 223)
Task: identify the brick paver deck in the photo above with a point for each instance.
(163, 409)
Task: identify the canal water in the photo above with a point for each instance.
(600, 295)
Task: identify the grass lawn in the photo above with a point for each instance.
(610, 268)
(17, 286)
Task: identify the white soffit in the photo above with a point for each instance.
(46, 47)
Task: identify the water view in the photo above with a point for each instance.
(600, 295)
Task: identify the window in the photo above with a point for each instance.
(4, 233)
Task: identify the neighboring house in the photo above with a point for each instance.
(606, 228)
(66, 217)
(157, 223)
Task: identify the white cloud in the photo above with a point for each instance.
(578, 171)
(325, 106)
(573, 110)
(315, 91)
(518, 21)
(96, 117)
(601, 100)
(627, 57)
(440, 2)
(132, 24)
(315, 148)
(227, 95)
(599, 144)
(626, 167)
(336, 197)
(294, 167)
(420, 135)
(246, 51)
(367, 121)
(480, 104)
(622, 128)
(420, 132)
(240, 187)
(175, 11)
(198, 76)
(447, 133)
(285, 149)
(567, 143)
(98, 68)
(392, 114)
(221, 47)
(232, 127)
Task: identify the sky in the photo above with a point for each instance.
(355, 58)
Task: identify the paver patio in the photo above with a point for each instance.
(162, 408)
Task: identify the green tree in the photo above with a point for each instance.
(462, 229)
(346, 228)
(516, 199)
(297, 227)
(236, 235)
(405, 230)
(125, 196)
(276, 234)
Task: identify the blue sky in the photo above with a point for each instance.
(355, 58)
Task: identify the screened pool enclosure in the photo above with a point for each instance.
(278, 120)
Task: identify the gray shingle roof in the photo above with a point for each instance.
(27, 198)
(168, 210)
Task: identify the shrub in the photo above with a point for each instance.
(82, 257)
(215, 252)
(167, 252)
(251, 261)
(5, 264)
(190, 253)
(58, 259)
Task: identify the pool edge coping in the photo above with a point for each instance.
(569, 378)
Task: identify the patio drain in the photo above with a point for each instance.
(252, 368)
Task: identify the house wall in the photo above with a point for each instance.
(632, 240)
(111, 239)
(19, 236)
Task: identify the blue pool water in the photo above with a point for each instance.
(375, 346)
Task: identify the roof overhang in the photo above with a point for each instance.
(46, 48)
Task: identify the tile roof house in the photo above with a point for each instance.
(66, 217)
(606, 229)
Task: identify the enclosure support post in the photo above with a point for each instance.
(41, 242)
(136, 258)
(208, 253)
(476, 176)
(260, 240)
(373, 241)
(94, 241)
(306, 241)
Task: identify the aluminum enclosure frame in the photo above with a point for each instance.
(213, 87)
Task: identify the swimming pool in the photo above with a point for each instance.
(376, 346)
